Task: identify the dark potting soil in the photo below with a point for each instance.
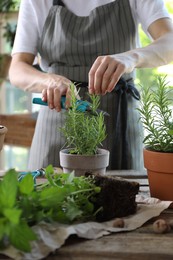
(117, 197)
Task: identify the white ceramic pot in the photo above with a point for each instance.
(84, 163)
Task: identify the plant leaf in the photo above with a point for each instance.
(52, 196)
(2, 227)
(49, 171)
(8, 189)
(21, 235)
(73, 211)
(70, 177)
(26, 185)
(170, 132)
(13, 215)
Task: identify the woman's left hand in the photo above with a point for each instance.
(107, 70)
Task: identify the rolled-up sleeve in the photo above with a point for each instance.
(149, 11)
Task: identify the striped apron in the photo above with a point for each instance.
(70, 44)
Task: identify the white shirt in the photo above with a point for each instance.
(33, 13)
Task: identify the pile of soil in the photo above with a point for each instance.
(117, 197)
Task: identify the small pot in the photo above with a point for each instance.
(3, 131)
(84, 163)
(159, 167)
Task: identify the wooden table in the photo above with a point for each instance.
(140, 244)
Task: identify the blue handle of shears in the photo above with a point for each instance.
(35, 174)
(39, 101)
(81, 105)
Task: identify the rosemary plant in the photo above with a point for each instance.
(84, 131)
(156, 116)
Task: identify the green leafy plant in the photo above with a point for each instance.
(84, 131)
(156, 116)
(62, 197)
(9, 5)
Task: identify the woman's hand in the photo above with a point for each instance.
(55, 87)
(51, 86)
(107, 70)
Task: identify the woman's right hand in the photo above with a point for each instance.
(25, 76)
(55, 87)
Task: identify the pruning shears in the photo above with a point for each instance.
(82, 105)
(35, 174)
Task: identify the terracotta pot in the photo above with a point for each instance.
(84, 163)
(160, 174)
(3, 131)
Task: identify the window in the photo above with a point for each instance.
(12, 100)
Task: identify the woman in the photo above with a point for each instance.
(96, 43)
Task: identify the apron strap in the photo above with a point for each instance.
(58, 2)
(127, 86)
(120, 140)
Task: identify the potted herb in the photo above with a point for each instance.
(157, 118)
(84, 133)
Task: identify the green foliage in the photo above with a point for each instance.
(13, 228)
(84, 131)
(169, 6)
(9, 5)
(156, 116)
(10, 31)
(62, 197)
